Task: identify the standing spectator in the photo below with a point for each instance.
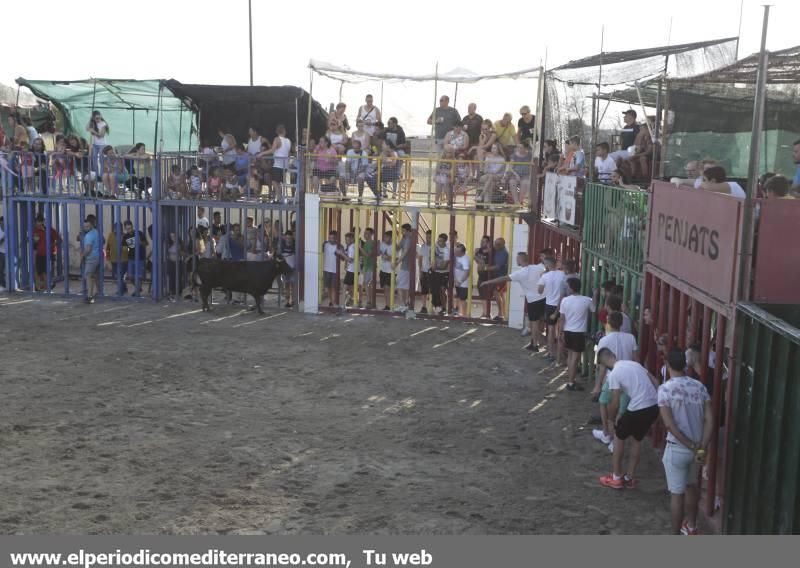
(395, 134)
(325, 165)
(385, 250)
(3, 249)
(44, 255)
(403, 262)
(796, 157)
(424, 269)
(370, 114)
(99, 129)
(482, 256)
(32, 132)
(174, 266)
(575, 309)
(202, 220)
(443, 118)
(506, 133)
(254, 142)
(341, 116)
(604, 165)
(552, 284)
(90, 257)
(251, 240)
(117, 258)
(337, 135)
(330, 266)
(280, 149)
(136, 245)
(440, 281)
(461, 277)
(623, 346)
(614, 304)
(499, 268)
(627, 139)
(472, 123)
(288, 253)
(685, 408)
(368, 259)
(632, 379)
(574, 161)
(527, 276)
(526, 127)
(348, 255)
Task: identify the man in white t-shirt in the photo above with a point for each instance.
(624, 347)
(685, 408)
(551, 284)
(528, 276)
(424, 269)
(349, 258)
(385, 276)
(604, 165)
(202, 220)
(330, 267)
(634, 380)
(461, 274)
(575, 311)
(715, 179)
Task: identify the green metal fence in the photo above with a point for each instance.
(614, 234)
(763, 473)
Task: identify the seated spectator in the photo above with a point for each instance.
(493, 167)
(113, 169)
(176, 183)
(141, 169)
(526, 126)
(691, 174)
(604, 165)
(778, 188)
(388, 172)
(574, 160)
(457, 140)
(506, 134)
(486, 139)
(356, 165)
(627, 136)
(370, 114)
(376, 139)
(395, 134)
(715, 180)
(337, 135)
(325, 165)
(518, 175)
(361, 136)
(341, 116)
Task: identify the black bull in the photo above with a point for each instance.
(254, 278)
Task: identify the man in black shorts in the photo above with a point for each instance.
(574, 322)
(552, 285)
(634, 380)
(527, 276)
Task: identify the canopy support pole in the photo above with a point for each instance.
(307, 140)
(383, 111)
(752, 171)
(180, 131)
(158, 116)
(539, 120)
(455, 97)
(595, 113)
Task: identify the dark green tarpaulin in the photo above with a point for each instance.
(133, 110)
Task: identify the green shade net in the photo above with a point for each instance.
(132, 109)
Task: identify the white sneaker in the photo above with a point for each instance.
(601, 436)
(525, 332)
(611, 447)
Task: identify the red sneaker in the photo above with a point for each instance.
(685, 530)
(609, 481)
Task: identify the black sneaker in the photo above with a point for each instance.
(387, 309)
(532, 347)
(575, 387)
(424, 310)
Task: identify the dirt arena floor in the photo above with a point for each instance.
(157, 418)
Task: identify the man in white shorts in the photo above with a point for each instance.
(685, 408)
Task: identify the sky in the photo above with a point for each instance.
(205, 41)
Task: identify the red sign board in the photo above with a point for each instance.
(694, 236)
(777, 271)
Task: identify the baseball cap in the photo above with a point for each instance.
(631, 112)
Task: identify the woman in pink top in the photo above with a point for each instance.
(325, 163)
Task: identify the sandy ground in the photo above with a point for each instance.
(157, 418)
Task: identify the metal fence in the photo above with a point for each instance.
(438, 182)
(763, 474)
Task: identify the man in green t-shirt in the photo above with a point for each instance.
(368, 263)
